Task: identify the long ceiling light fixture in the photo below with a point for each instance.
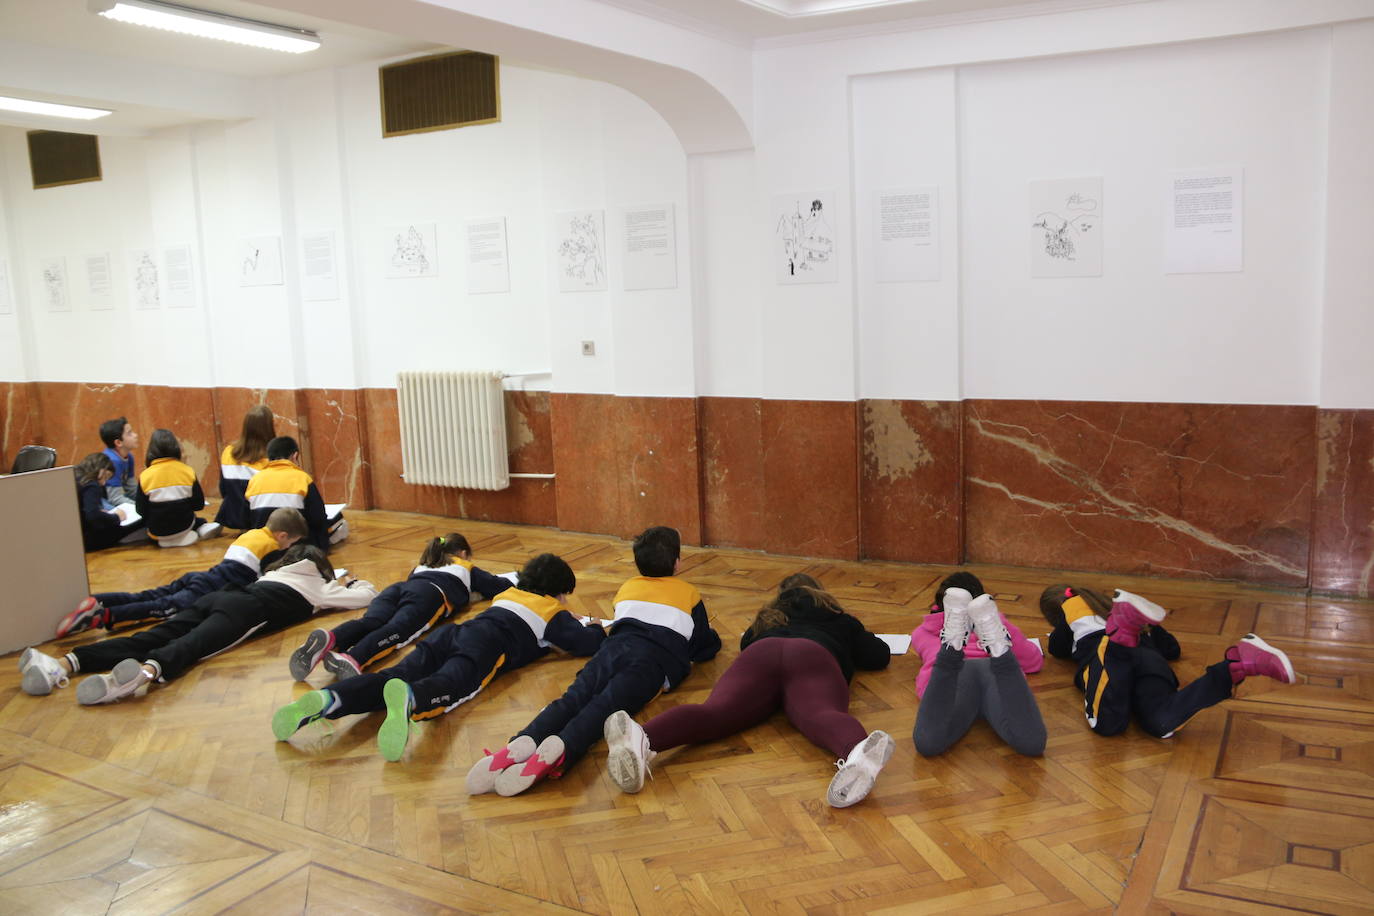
(205, 24)
(51, 109)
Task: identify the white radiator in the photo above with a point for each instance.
(453, 429)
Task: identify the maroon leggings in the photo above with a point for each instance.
(798, 675)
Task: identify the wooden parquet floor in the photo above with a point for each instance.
(182, 801)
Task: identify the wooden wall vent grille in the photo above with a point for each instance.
(58, 158)
(440, 92)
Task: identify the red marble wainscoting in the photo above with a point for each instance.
(910, 496)
(781, 476)
(1206, 491)
(1343, 520)
(1272, 494)
(20, 420)
(625, 463)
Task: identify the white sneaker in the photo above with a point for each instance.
(987, 623)
(858, 771)
(954, 632)
(41, 673)
(628, 757)
(126, 680)
(209, 530)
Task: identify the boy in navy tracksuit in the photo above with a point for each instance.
(660, 629)
(242, 564)
(283, 483)
(454, 663)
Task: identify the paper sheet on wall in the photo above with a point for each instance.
(1205, 229)
(908, 233)
(54, 290)
(99, 281)
(804, 237)
(178, 286)
(6, 297)
(412, 250)
(260, 261)
(581, 254)
(488, 267)
(650, 246)
(1066, 227)
(145, 289)
(319, 273)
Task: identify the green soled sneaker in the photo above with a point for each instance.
(292, 717)
(395, 731)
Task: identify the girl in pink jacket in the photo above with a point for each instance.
(974, 663)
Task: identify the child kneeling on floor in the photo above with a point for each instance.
(292, 590)
(440, 586)
(660, 629)
(454, 663)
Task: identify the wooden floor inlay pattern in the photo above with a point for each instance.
(183, 802)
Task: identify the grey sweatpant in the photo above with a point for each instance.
(960, 690)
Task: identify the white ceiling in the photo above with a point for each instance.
(58, 51)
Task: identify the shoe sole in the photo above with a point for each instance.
(1143, 606)
(340, 670)
(1279, 654)
(115, 686)
(621, 761)
(292, 717)
(854, 781)
(35, 683)
(481, 779)
(304, 659)
(514, 780)
(394, 734)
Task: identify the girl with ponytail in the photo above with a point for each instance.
(440, 585)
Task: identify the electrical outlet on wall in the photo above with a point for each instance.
(588, 348)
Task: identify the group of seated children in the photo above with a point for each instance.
(258, 473)
(797, 656)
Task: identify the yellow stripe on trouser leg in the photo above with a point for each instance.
(1101, 677)
(440, 710)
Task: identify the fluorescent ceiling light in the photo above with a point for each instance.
(205, 24)
(51, 109)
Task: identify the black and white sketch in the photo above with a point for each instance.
(260, 261)
(145, 287)
(54, 272)
(581, 236)
(804, 233)
(1066, 227)
(412, 251)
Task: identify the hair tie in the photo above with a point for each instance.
(441, 542)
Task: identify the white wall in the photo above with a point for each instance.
(1347, 369)
(851, 115)
(316, 161)
(1130, 116)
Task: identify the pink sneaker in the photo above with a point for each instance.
(1131, 614)
(547, 761)
(341, 665)
(89, 613)
(1253, 656)
(481, 779)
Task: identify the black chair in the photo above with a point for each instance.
(34, 458)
